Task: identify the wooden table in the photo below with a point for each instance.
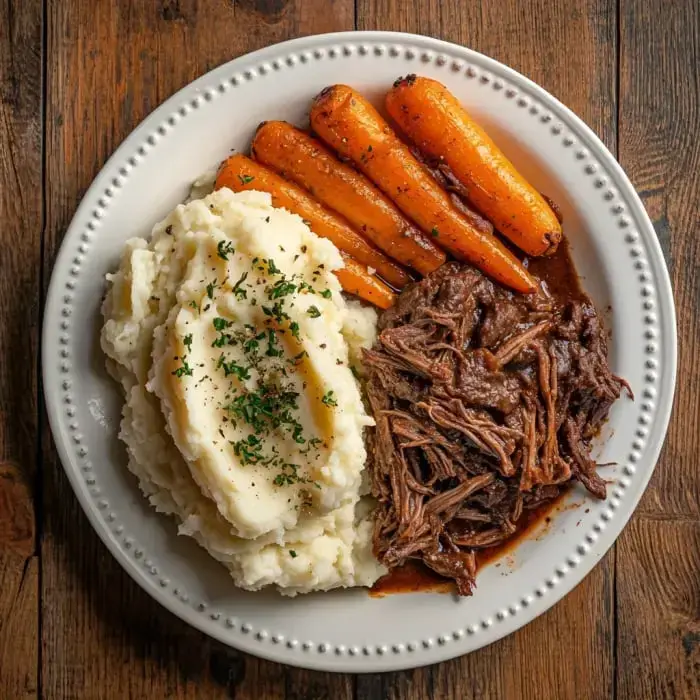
(76, 76)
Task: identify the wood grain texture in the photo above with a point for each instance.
(658, 554)
(565, 44)
(658, 610)
(20, 264)
(659, 114)
(108, 65)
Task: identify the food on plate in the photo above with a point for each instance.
(232, 341)
(299, 157)
(262, 410)
(352, 126)
(436, 122)
(355, 280)
(239, 173)
(486, 403)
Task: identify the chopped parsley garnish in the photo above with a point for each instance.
(220, 325)
(273, 350)
(224, 249)
(246, 179)
(232, 368)
(281, 288)
(293, 554)
(194, 305)
(249, 450)
(329, 399)
(289, 475)
(188, 342)
(238, 290)
(275, 311)
(297, 434)
(184, 371)
(267, 408)
(221, 340)
(270, 406)
(296, 360)
(326, 293)
(434, 232)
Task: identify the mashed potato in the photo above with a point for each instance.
(233, 344)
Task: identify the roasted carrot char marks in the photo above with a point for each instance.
(299, 157)
(439, 126)
(353, 127)
(240, 173)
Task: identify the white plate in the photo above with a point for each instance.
(616, 252)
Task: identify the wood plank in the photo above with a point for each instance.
(19, 587)
(571, 51)
(659, 99)
(658, 590)
(20, 263)
(658, 610)
(109, 65)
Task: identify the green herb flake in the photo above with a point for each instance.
(298, 435)
(434, 232)
(296, 360)
(293, 554)
(329, 399)
(232, 368)
(238, 290)
(313, 311)
(273, 350)
(246, 179)
(281, 288)
(184, 371)
(224, 249)
(249, 450)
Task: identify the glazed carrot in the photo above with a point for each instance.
(436, 122)
(240, 173)
(354, 128)
(299, 157)
(358, 280)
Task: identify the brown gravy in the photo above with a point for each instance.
(416, 577)
(559, 274)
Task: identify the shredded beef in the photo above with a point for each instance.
(485, 404)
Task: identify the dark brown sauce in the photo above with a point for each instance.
(558, 273)
(561, 279)
(416, 577)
